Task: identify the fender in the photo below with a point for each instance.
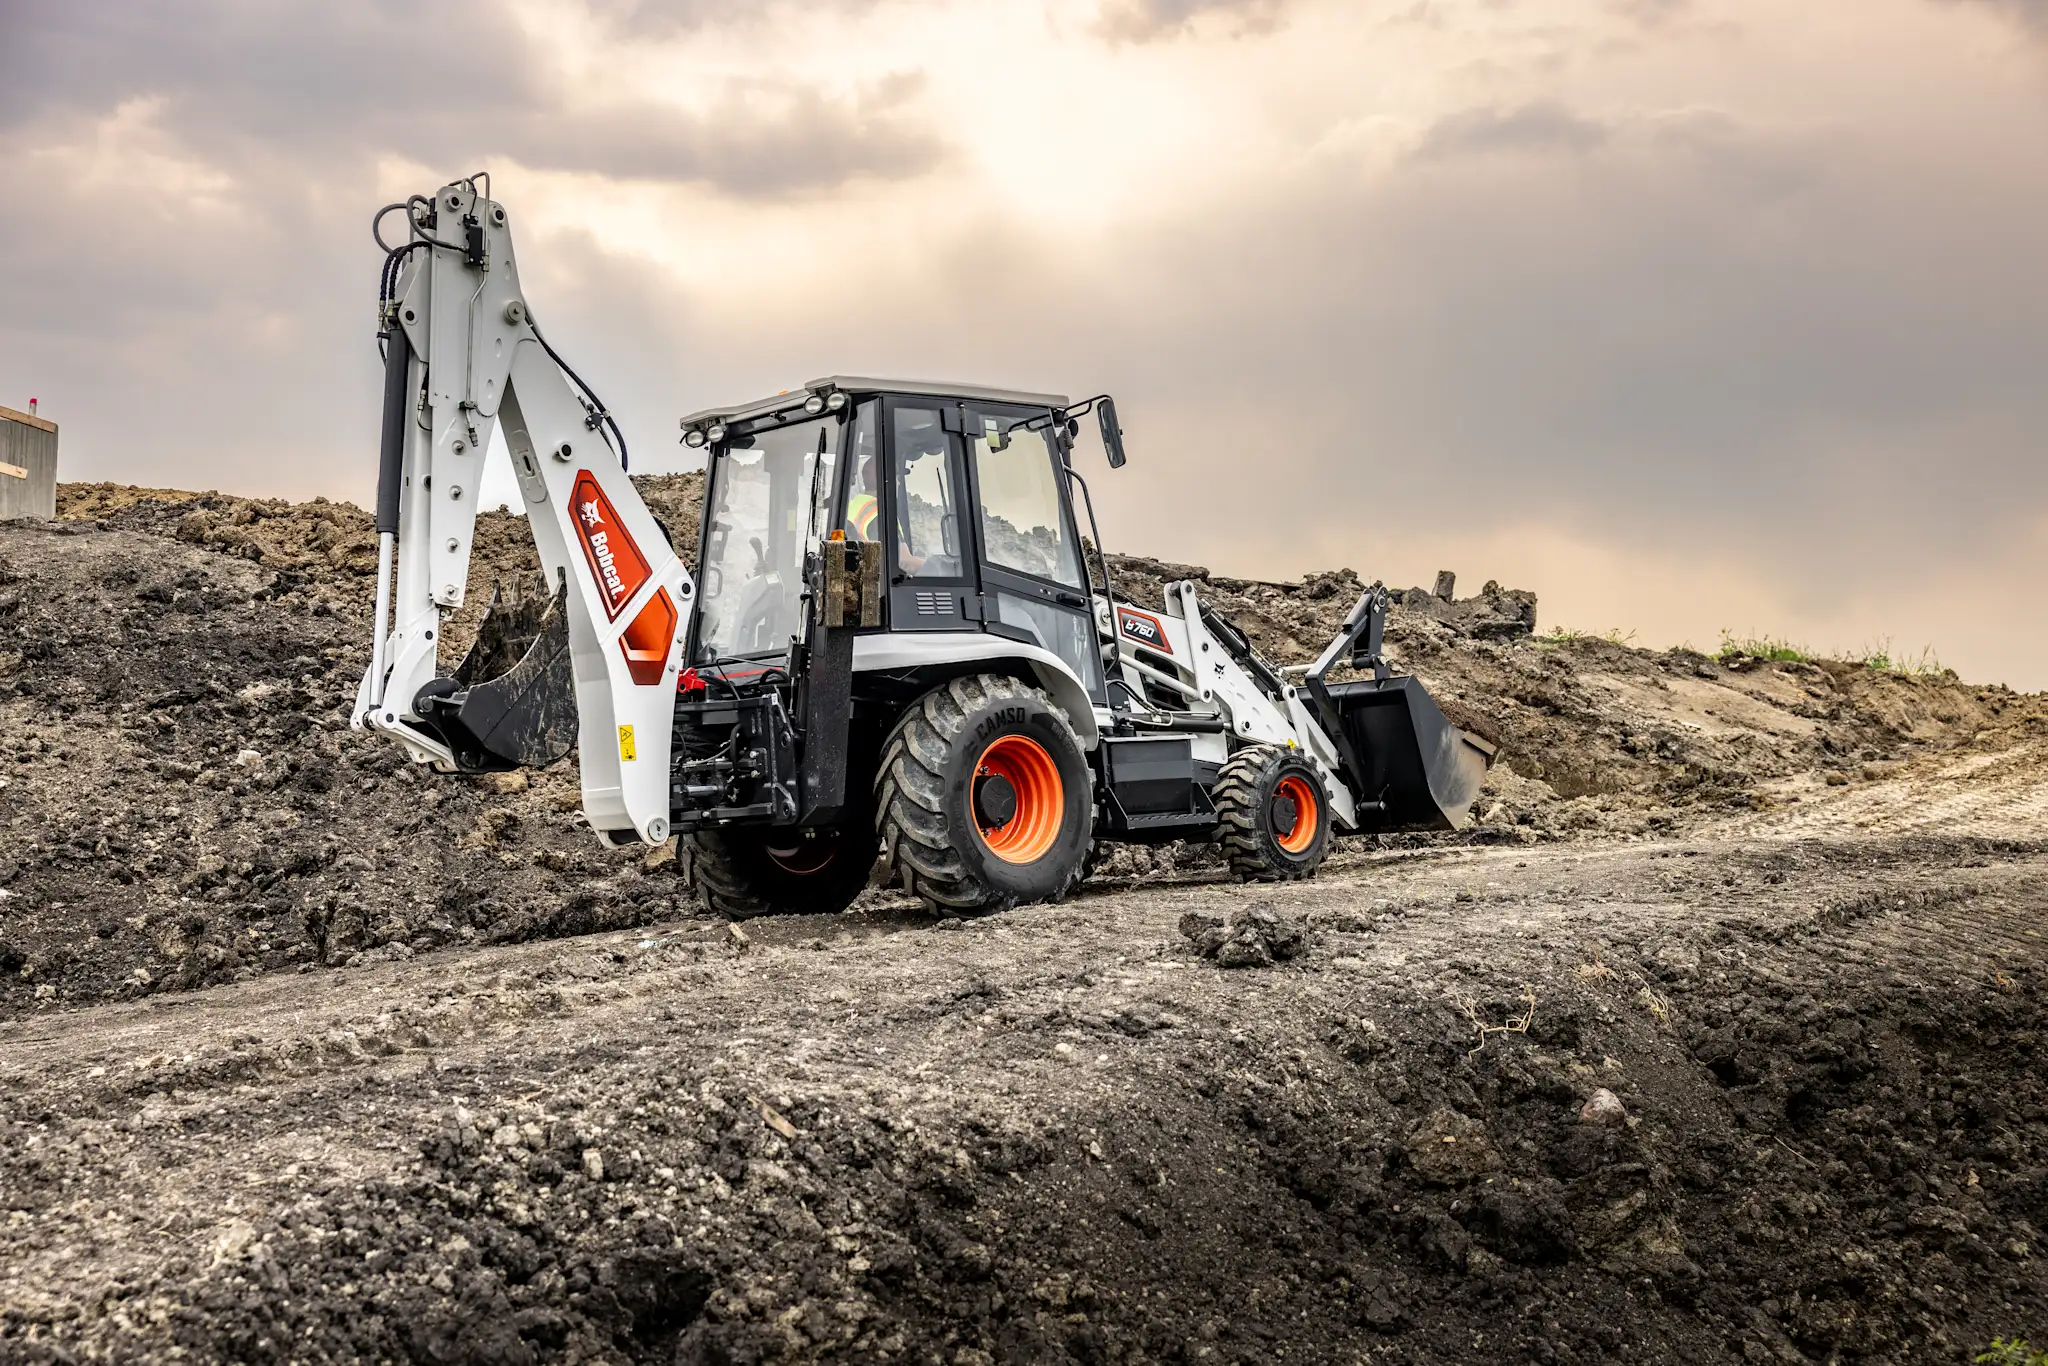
(922, 649)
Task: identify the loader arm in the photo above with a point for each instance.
(463, 358)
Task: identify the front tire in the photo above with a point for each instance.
(984, 798)
(744, 872)
(1273, 817)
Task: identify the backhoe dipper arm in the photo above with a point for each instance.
(462, 356)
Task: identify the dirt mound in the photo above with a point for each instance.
(1766, 1088)
(1767, 1105)
(185, 801)
(187, 805)
(1608, 736)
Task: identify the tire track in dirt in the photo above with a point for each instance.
(1999, 795)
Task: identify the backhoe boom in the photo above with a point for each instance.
(463, 359)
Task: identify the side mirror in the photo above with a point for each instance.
(1112, 435)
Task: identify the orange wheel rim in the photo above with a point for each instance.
(1041, 799)
(1298, 836)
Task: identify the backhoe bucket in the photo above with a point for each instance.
(512, 700)
(1421, 772)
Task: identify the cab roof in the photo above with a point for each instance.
(857, 385)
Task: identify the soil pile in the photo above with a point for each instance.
(1613, 737)
(1586, 1103)
(1766, 1087)
(184, 801)
(186, 805)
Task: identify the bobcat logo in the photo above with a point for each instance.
(615, 562)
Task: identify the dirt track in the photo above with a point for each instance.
(482, 1093)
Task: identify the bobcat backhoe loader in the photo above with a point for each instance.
(894, 647)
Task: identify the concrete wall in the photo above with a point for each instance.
(28, 466)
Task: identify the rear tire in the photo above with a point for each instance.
(1273, 816)
(744, 872)
(985, 799)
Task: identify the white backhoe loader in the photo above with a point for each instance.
(894, 648)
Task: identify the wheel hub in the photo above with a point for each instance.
(803, 858)
(995, 800)
(1295, 813)
(1286, 814)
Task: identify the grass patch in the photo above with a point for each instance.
(1880, 656)
(1925, 664)
(1762, 647)
(2013, 1353)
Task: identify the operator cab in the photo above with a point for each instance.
(964, 489)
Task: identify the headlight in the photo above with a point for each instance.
(716, 434)
(694, 437)
(835, 400)
(814, 405)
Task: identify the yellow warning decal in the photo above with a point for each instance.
(626, 753)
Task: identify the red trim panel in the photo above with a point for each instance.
(615, 562)
(647, 638)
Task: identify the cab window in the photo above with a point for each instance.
(863, 520)
(927, 511)
(1022, 527)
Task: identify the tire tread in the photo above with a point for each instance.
(917, 846)
(1240, 826)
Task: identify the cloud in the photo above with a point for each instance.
(1150, 21)
(452, 85)
(2031, 15)
(1542, 126)
(666, 20)
(1652, 13)
(1685, 335)
(757, 139)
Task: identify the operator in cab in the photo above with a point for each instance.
(863, 505)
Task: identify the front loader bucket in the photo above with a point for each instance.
(1421, 772)
(512, 700)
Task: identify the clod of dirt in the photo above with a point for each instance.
(1603, 1108)
(1451, 1149)
(1256, 937)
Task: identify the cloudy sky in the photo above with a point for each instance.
(1689, 316)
